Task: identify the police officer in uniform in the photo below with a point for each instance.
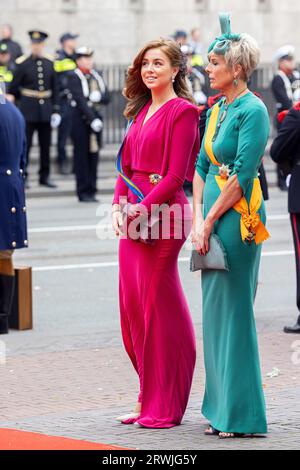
(286, 149)
(35, 86)
(64, 64)
(6, 73)
(13, 230)
(285, 87)
(14, 48)
(89, 92)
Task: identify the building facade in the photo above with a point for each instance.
(117, 28)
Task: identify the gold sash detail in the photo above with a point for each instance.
(211, 129)
(251, 225)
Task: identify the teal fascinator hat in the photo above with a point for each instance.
(222, 43)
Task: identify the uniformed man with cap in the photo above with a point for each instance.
(6, 72)
(286, 149)
(64, 64)
(89, 92)
(285, 87)
(35, 86)
(14, 48)
(13, 229)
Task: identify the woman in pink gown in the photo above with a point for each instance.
(156, 325)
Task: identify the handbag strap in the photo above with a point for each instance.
(127, 180)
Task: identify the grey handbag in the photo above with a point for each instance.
(216, 258)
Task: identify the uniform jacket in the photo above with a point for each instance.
(286, 149)
(13, 232)
(283, 89)
(64, 65)
(36, 73)
(14, 49)
(79, 85)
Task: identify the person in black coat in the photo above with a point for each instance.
(285, 89)
(14, 47)
(64, 65)
(13, 229)
(89, 92)
(286, 150)
(35, 87)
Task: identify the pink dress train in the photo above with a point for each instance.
(156, 325)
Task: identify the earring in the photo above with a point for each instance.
(173, 79)
(235, 82)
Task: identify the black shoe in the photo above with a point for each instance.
(94, 199)
(63, 168)
(6, 297)
(293, 329)
(3, 325)
(47, 183)
(88, 199)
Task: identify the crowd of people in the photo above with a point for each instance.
(161, 150)
(63, 92)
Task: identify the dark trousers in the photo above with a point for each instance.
(281, 179)
(295, 221)
(263, 182)
(64, 131)
(280, 169)
(85, 161)
(44, 135)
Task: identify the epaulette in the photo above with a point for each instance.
(21, 59)
(282, 115)
(49, 57)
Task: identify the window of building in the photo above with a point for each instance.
(264, 5)
(200, 5)
(69, 6)
(136, 4)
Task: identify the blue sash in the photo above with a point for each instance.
(128, 181)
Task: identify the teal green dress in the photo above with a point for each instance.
(234, 399)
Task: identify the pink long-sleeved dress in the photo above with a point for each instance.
(155, 320)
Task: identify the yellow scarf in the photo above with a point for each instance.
(251, 225)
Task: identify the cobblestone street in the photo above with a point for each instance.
(70, 376)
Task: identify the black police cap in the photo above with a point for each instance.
(37, 36)
(64, 37)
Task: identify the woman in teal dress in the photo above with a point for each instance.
(226, 183)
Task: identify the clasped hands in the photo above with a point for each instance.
(200, 235)
(131, 212)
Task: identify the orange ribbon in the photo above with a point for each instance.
(252, 227)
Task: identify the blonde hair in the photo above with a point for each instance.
(245, 53)
(137, 93)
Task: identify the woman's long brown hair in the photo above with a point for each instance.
(135, 90)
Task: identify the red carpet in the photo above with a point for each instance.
(13, 439)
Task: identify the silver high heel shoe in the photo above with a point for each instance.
(132, 415)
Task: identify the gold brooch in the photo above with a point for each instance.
(155, 178)
(251, 236)
(224, 171)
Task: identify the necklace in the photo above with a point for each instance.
(224, 170)
(224, 114)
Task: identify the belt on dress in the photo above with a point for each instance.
(36, 93)
(251, 226)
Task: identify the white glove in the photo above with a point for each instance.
(97, 125)
(288, 180)
(95, 96)
(200, 97)
(55, 120)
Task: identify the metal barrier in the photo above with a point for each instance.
(114, 76)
